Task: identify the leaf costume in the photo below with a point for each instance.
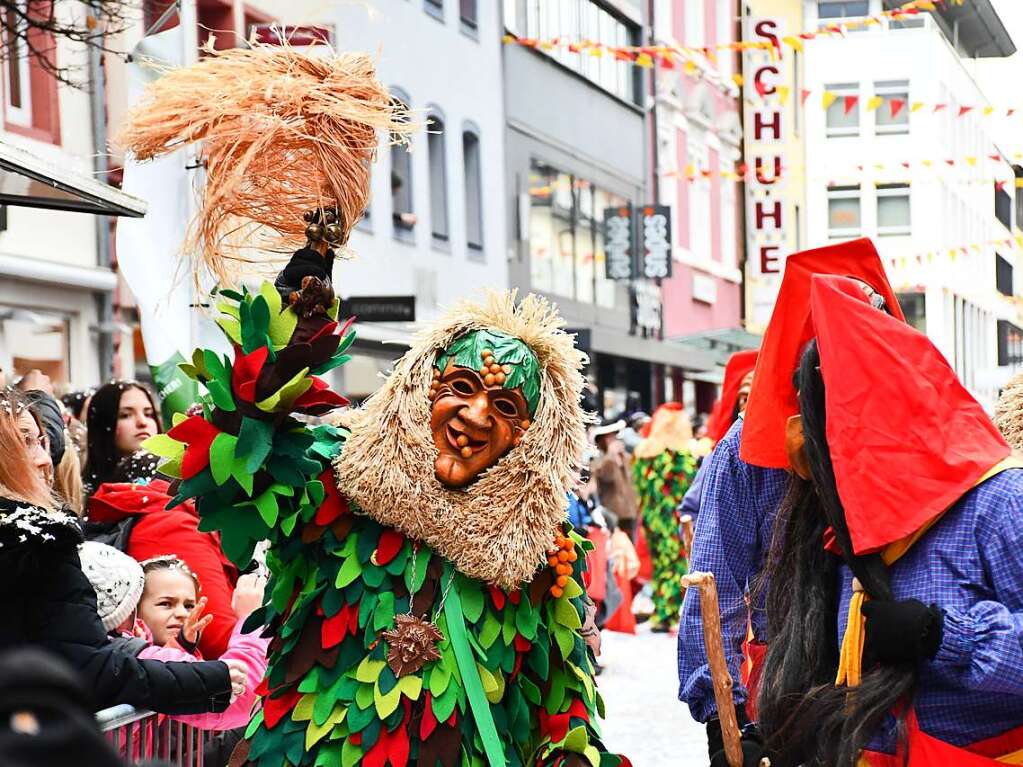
(411, 622)
(663, 468)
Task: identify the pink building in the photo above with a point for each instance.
(698, 139)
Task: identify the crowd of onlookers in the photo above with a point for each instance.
(103, 573)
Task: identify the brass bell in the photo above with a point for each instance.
(333, 233)
(308, 216)
(314, 232)
(330, 217)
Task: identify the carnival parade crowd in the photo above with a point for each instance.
(424, 579)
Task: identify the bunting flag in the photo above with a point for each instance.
(954, 253)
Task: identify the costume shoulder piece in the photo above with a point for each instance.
(499, 528)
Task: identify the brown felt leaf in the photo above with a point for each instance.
(444, 745)
(240, 755)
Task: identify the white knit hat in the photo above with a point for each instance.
(117, 579)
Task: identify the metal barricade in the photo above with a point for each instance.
(143, 736)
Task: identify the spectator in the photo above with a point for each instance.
(121, 416)
(613, 475)
(47, 600)
(131, 514)
(153, 609)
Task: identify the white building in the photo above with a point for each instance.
(435, 228)
(53, 281)
(894, 157)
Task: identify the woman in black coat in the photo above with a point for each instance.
(47, 600)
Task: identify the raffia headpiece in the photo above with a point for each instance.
(1009, 412)
(282, 133)
(499, 528)
(670, 429)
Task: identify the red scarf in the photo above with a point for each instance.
(720, 421)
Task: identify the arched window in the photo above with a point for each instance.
(437, 157)
(473, 187)
(402, 212)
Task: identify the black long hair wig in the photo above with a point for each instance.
(805, 717)
(101, 422)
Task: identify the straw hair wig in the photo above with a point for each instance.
(282, 133)
(499, 528)
(1009, 412)
(670, 429)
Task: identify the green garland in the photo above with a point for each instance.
(661, 483)
(339, 579)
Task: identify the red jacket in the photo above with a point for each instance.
(157, 530)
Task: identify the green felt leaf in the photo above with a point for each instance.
(334, 308)
(411, 686)
(315, 732)
(444, 704)
(164, 446)
(566, 614)
(491, 630)
(526, 619)
(232, 329)
(415, 571)
(572, 589)
(316, 492)
(556, 694)
(383, 616)
(576, 740)
(303, 710)
(530, 690)
(254, 725)
(266, 505)
(349, 571)
(369, 670)
(222, 457)
(439, 680)
(351, 754)
(508, 628)
(221, 395)
(287, 394)
(255, 441)
(472, 599)
(565, 639)
(386, 703)
(592, 755)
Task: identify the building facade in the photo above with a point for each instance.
(697, 123)
(900, 149)
(578, 149)
(54, 279)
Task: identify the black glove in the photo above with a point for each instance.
(752, 742)
(906, 631)
(304, 262)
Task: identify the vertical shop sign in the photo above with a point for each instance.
(655, 236)
(618, 243)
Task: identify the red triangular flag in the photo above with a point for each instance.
(964, 110)
(850, 102)
(939, 107)
(896, 105)
(803, 94)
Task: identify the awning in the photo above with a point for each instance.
(722, 343)
(618, 343)
(29, 181)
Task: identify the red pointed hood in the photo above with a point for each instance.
(773, 399)
(113, 501)
(739, 365)
(906, 439)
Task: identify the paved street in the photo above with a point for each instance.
(645, 720)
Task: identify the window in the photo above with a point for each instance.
(566, 240)
(1003, 207)
(467, 12)
(1003, 276)
(434, 8)
(728, 223)
(892, 116)
(893, 209)
(438, 178)
(473, 189)
(843, 118)
(401, 182)
(844, 211)
(17, 77)
(842, 9)
(914, 308)
(578, 20)
(699, 204)
(32, 338)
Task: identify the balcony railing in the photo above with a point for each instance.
(140, 736)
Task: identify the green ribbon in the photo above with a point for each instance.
(471, 679)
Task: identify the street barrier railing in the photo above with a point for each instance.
(144, 735)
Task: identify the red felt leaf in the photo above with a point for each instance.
(334, 504)
(389, 545)
(391, 747)
(334, 628)
(498, 597)
(429, 721)
(522, 644)
(246, 371)
(318, 394)
(515, 596)
(274, 709)
(198, 434)
(353, 619)
(326, 330)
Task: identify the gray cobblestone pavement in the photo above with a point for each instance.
(645, 719)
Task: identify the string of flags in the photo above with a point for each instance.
(894, 106)
(700, 61)
(953, 253)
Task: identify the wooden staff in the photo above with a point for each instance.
(711, 614)
(687, 534)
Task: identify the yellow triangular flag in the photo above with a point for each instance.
(988, 111)
(1019, 183)
(971, 160)
(874, 102)
(828, 99)
(597, 51)
(508, 39)
(917, 105)
(795, 43)
(690, 67)
(644, 60)
(737, 79)
(783, 94)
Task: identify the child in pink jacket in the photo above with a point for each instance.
(155, 607)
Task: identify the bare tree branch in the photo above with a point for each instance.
(32, 30)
